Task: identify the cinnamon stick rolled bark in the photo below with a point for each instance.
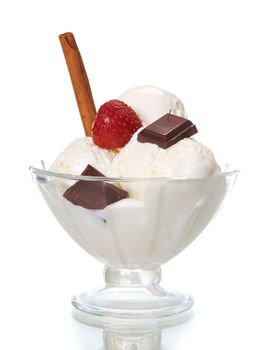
(79, 80)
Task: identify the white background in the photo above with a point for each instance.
(214, 56)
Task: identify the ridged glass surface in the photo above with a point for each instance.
(134, 233)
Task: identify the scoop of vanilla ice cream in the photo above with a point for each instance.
(151, 103)
(80, 153)
(187, 158)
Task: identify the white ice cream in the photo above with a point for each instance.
(188, 158)
(151, 103)
(80, 153)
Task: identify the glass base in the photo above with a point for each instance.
(132, 295)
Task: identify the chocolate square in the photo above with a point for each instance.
(92, 194)
(167, 130)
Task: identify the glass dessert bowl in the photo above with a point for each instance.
(132, 237)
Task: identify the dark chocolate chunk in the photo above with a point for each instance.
(167, 130)
(93, 194)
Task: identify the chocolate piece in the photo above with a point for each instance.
(93, 194)
(167, 130)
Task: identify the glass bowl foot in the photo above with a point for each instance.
(132, 296)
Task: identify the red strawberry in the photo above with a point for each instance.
(114, 125)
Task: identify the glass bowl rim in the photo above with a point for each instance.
(43, 172)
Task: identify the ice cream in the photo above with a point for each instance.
(151, 102)
(80, 153)
(187, 158)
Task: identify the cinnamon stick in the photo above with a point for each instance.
(79, 80)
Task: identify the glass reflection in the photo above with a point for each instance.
(132, 335)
